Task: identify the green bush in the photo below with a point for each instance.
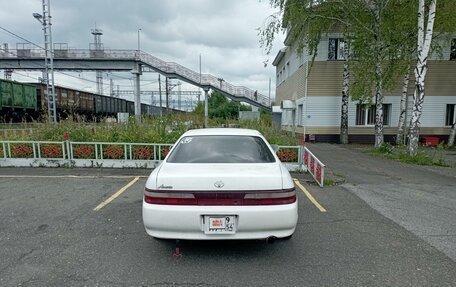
(166, 129)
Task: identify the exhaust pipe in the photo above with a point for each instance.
(271, 239)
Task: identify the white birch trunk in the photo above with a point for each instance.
(379, 139)
(452, 135)
(345, 95)
(403, 109)
(424, 46)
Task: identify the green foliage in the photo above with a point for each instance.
(421, 158)
(384, 149)
(151, 130)
(426, 156)
(220, 107)
(328, 182)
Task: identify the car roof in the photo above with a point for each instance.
(222, 131)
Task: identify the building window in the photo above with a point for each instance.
(288, 69)
(453, 50)
(336, 49)
(450, 118)
(365, 115)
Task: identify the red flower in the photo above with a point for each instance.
(114, 152)
(51, 151)
(143, 153)
(84, 151)
(164, 152)
(288, 155)
(22, 151)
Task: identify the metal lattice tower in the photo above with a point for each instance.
(99, 47)
(45, 20)
(8, 72)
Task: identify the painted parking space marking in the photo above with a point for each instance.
(309, 196)
(115, 195)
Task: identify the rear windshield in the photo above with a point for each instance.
(221, 149)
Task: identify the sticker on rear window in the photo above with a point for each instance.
(186, 140)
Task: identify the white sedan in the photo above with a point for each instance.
(220, 184)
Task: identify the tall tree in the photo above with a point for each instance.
(372, 29)
(424, 47)
(345, 95)
(403, 108)
(452, 135)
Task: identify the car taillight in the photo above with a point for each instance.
(274, 197)
(270, 198)
(169, 198)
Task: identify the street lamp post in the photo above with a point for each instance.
(139, 39)
(45, 20)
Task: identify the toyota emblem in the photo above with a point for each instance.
(219, 184)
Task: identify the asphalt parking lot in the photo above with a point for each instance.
(51, 236)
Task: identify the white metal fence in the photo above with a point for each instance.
(121, 155)
(314, 166)
(81, 154)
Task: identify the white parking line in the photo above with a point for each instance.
(115, 195)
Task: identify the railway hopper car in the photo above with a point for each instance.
(28, 101)
(17, 101)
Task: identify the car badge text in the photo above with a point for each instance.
(165, 186)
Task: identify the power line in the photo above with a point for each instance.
(63, 73)
(22, 38)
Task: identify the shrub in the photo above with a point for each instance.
(84, 151)
(51, 151)
(143, 153)
(21, 151)
(288, 155)
(113, 152)
(384, 149)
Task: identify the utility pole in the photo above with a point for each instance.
(111, 87)
(45, 20)
(167, 93)
(98, 47)
(206, 106)
(160, 91)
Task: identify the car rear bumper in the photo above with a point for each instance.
(252, 222)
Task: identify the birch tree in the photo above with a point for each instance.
(345, 95)
(403, 108)
(424, 46)
(372, 26)
(452, 135)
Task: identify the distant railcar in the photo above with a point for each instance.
(15, 95)
(28, 101)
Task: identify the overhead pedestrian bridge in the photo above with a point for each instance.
(134, 61)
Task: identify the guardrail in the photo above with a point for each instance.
(314, 166)
(107, 154)
(81, 154)
(131, 155)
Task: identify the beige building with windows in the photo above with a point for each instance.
(317, 99)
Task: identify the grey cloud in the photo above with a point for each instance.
(178, 31)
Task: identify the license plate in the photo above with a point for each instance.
(220, 224)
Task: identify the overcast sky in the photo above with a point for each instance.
(223, 32)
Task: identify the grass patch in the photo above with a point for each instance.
(425, 155)
(328, 182)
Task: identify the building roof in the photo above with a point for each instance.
(279, 56)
